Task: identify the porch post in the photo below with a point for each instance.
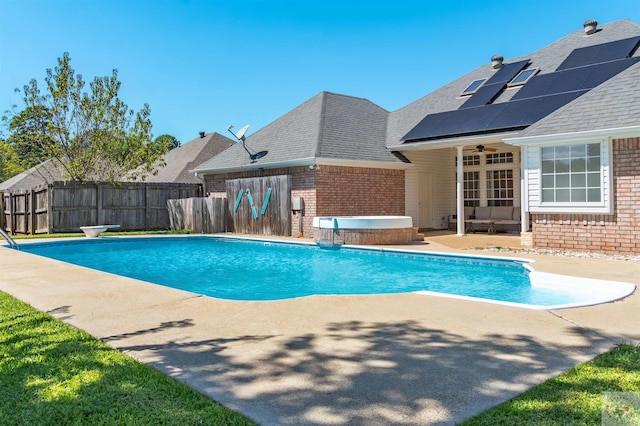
(460, 192)
(524, 192)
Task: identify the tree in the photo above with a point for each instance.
(92, 135)
(168, 139)
(30, 137)
(9, 161)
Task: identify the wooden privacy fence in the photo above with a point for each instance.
(25, 212)
(253, 206)
(200, 215)
(260, 205)
(66, 206)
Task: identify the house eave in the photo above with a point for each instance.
(362, 163)
(614, 133)
(452, 142)
(309, 161)
(257, 166)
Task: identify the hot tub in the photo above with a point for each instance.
(365, 230)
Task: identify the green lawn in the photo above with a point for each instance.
(53, 373)
(575, 397)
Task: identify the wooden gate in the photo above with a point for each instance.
(260, 205)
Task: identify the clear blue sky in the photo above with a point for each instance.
(202, 65)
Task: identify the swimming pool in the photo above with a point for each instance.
(241, 269)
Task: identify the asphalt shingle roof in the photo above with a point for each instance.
(181, 161)
(547, 59)
(37, 176)
(328, 126)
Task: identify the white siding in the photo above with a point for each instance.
(442, 164)
(532, 175)
(411, 194)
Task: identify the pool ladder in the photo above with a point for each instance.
(10, 240)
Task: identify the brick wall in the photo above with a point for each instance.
(358, 191)
(616, 233)
(331, 191)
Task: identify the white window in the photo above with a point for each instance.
(473, 87)
(500, 158)
(472, 188)
(574, 179)
(500, 187)
(523, 77)
(572, 174)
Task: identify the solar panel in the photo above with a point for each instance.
(600, 53)
(506, 116)
(495, 84)
(583, 70)
(586, 77)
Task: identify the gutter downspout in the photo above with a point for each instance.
(460, 191)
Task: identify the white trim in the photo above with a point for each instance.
(451, 142)
(293, 163)
(575, 137)
(309, 161)
(362, 163)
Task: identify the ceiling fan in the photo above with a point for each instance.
(482, 148)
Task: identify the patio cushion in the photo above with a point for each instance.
(483, 213)
(502, 213)
(468, 211)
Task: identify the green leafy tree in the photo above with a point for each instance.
(93, 135)
(9, 161)
(168, 139)
(29, 135)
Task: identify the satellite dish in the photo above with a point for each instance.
(241, 132)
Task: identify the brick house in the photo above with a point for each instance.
(554, 134)
(332, 147)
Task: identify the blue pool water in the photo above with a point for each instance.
(254, 270)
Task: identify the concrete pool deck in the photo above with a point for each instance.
(392, 359)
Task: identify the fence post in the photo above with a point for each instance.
(12, 218)
(147, 207)
(3, 218)
(99, 202)
(32, 213)
(50, 209)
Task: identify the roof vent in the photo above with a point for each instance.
(496, 61)
(590, 26)
(201, 134)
